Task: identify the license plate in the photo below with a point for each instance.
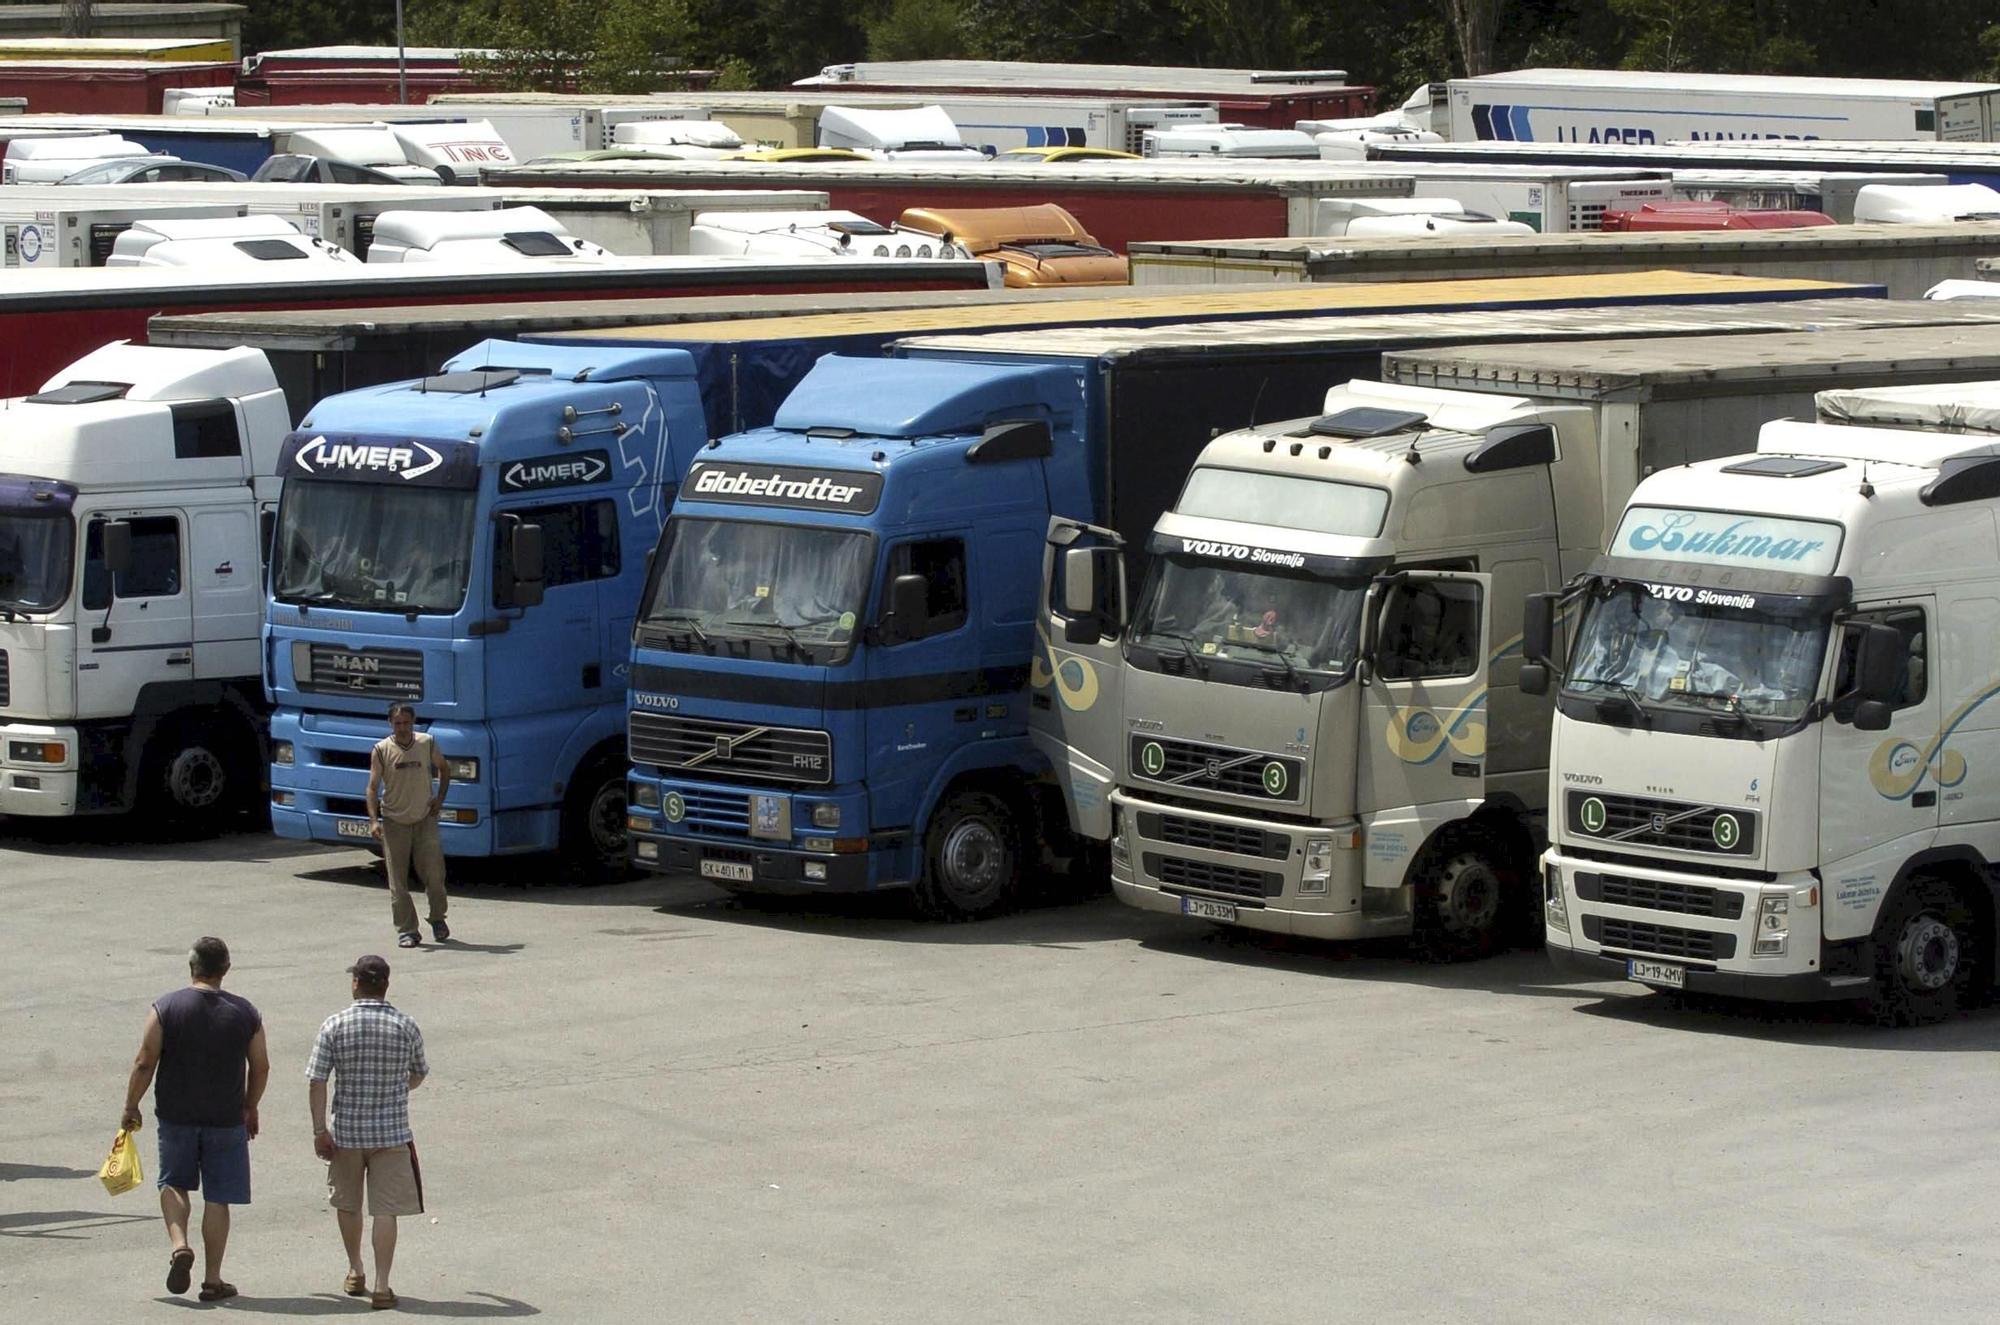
(1207, 910)
(734, 871)
(351, 828)
(1664, 974)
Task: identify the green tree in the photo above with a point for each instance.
(916, 30)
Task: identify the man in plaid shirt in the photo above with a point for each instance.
(375, 1056)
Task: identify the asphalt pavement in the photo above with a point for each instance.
(654, 1101)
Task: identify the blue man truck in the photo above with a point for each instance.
(831, 667)
(473, 542)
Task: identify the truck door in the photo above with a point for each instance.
(547, 665)
(1423, 710)
(1880, 790)
(924, 687)
(228, 592)
(1074, 714)
(136, 628)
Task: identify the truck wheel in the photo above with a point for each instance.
(1459, 905)
(972, 859)
(1924, 955)
(191, 776)
(593, 826)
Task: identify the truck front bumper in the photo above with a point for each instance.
(1601, 917)
(754, 868)
(31, 784)
(705, 831)
(320, 795)
(1225, 867)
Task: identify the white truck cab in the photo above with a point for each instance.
(52, 160)
(223, 241)
(133, 488)
(1229, 142)
(1374, 217)
(1773, 766)
(682, 140)
(505, 236)
(924, 133)
(832, 234)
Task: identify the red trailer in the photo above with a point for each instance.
(105, 87)
(1697, 215)
(1118, 202)
(48, 319)
(1260, 98)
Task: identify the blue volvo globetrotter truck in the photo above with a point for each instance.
(474, 542)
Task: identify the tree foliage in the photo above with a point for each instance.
(624, 45)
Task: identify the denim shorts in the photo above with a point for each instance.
(215, 1160)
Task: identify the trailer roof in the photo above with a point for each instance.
(1640, 80)
(1228, 301)
(1648, 369)
(1195, 173)
(1771, 153)
(1819, 243)
(954, 74)
(1532, 324)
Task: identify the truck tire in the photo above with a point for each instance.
(592, 845)
(972, 859)
(194, 774)
(1925, 955)
(1460, 904)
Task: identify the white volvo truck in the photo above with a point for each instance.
(1772, 770)
(1311, 723)
(133, 489)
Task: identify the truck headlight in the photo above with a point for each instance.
(37, 752)
(1555, 910)
(1120, 851)
(1774, 924)
(281, 753)
(463, 770)
(826, 816)
(644, 795)
(1318, 868)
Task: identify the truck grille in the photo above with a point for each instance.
(6, 681)
(1177, 872)
(1195, 766)
(1657, 895)
(709, 748)
(1178, 830)
(1642, 821)
(384, 673)
(1699, 945)
(716, 812)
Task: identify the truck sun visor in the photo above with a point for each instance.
(81, 393)
(535, 243)
(470, 382)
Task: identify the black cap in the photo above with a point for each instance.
(370, 970)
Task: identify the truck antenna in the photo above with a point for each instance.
(1867, 488)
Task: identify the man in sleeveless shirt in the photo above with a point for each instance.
(203, 1051)
(403, 813)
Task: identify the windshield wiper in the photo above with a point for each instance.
(1187, 646)
(1278, 652)
(1625, 692)
(688, 618)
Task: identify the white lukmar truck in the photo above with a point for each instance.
(1771, 770)
(137, 481)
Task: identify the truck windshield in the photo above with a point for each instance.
(1255, 616)
(1681, 652)
(34, 561)
(747, 577)
(373, 547)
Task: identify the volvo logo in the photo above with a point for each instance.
(725, 747)
(1214, 767)
(1659, 821)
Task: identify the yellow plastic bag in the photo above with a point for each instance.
(121, 1171)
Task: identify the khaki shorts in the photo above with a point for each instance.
(394, 1183)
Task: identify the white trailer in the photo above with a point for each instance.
(41, 233)
(130, 572)
(1634, 107)
(1773, 763)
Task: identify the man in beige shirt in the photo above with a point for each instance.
(403, 814)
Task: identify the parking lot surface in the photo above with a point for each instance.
(654, 1101)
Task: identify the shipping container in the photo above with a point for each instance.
(105, 87)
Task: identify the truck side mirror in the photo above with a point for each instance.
(1538, 631)
(1871, 715)
(524, 559)
(116, 546)
(1534, 678)
(1082, 623)
(909, 600)
(1881, 665)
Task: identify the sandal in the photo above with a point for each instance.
(355, 1285)
(410, 940)
(216, 1292)
(382, 1300)
(180, 1270)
